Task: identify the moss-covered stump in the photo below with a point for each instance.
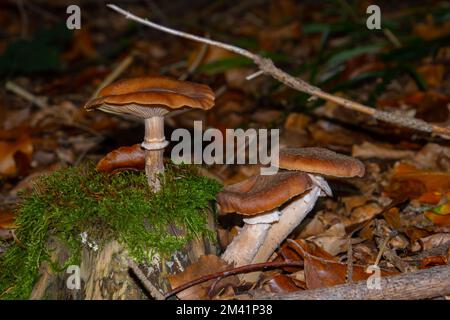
(79, 218)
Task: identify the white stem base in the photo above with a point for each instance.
(244, 246)
(291, 216)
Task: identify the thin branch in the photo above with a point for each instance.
(422, 284)
(234, 271)
(114, 74)
(152, 290)
(267, 66)
(21, 92)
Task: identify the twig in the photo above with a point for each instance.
(152, 290)
(196, 63)
(382, 248)
(234, 271)
(423, 284)
(114, 74)
(21, 92)
(23, 17)
(267, 66)
(350, 261)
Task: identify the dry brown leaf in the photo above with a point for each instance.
(365, 212)
(334, 240)
(283, 284)
(297, 122)
(205, 265)
(8, 152)
(432, 74)
(432, 261)
(432, 241)
(320, 272)
(368, 150)
(429, 30)
(433, 157)
(432, 180)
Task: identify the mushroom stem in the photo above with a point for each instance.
(154, 165)
(291, 216)
(244, 246)
(154, 144)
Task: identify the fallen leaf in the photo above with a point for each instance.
(8, 150)
(440, 215)
(320, 272)
(429, 30)
(430, 242)
(432, 74)
(204, 266)
(132, 157)
(334, 240)
(431, 180)
(283, 284)
(365, 212)
(368, 150)
(297, 122)
(432, 261)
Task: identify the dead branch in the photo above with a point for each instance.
(234, 271)
(152, 290)
(268, 67)
(423, 284)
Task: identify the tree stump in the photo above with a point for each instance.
(105, 274)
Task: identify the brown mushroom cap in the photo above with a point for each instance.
(151, 96)
(262, 193)
(321, 161)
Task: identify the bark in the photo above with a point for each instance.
(106, 275)
(423, 284)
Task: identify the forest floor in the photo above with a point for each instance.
(396, 217)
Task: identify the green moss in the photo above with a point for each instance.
(121, 206)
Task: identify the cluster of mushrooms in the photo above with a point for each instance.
(273, 205)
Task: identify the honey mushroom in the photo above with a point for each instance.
(151, 98)
(307, 163)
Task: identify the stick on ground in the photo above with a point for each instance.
(423, 284)
(268, 67)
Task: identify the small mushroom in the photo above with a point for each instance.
(258, 198)
(321, 161)
(150, 98)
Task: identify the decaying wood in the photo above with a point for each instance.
(267, 66)
(423, 284)
(105, 273)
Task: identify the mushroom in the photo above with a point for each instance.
(311, 160)
(258, 199)
(150, 98)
